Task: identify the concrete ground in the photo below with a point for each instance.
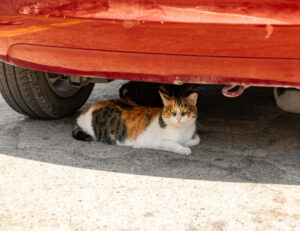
(245, 175)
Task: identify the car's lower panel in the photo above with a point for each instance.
(158, 67)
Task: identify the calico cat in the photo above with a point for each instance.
(288, 99)
(123, 122)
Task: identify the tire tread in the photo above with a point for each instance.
(27, 92)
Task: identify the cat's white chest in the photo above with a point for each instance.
(179, 135)
(176, 134)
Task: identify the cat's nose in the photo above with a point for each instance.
(178, 118)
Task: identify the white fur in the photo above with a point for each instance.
(174, 137)
(289, 100)
(85, 123)
(193, 142)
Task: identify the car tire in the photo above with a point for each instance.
(30, 92)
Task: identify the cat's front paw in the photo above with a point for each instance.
(184, 151)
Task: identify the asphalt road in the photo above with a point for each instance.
(245, 174)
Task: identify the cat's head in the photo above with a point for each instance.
(179, 110)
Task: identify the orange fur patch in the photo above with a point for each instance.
(102, 104)
(86, 110)
(138, 119)
(96, 106)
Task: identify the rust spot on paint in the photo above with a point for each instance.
(269, 29)
(130, 24)
(178, 80)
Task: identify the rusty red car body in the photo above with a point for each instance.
(244, 42)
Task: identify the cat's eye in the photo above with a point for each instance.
(172, 111)
(184, 110)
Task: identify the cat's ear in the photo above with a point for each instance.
(192, 98)
(165, 98)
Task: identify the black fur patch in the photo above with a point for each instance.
(124, 106)
(79, 134)
(162, 123)
(148, 118)
(108, 125)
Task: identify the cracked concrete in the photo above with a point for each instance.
(243, 176)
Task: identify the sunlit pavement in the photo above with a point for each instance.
(245, 175)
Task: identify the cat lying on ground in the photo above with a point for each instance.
(123, 122)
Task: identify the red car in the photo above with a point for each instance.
(54, 51)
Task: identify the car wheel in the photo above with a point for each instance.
(40, 94)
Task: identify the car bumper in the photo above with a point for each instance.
(217, 46)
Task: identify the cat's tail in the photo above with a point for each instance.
(79, 134)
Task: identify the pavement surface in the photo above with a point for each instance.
(245, 174)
